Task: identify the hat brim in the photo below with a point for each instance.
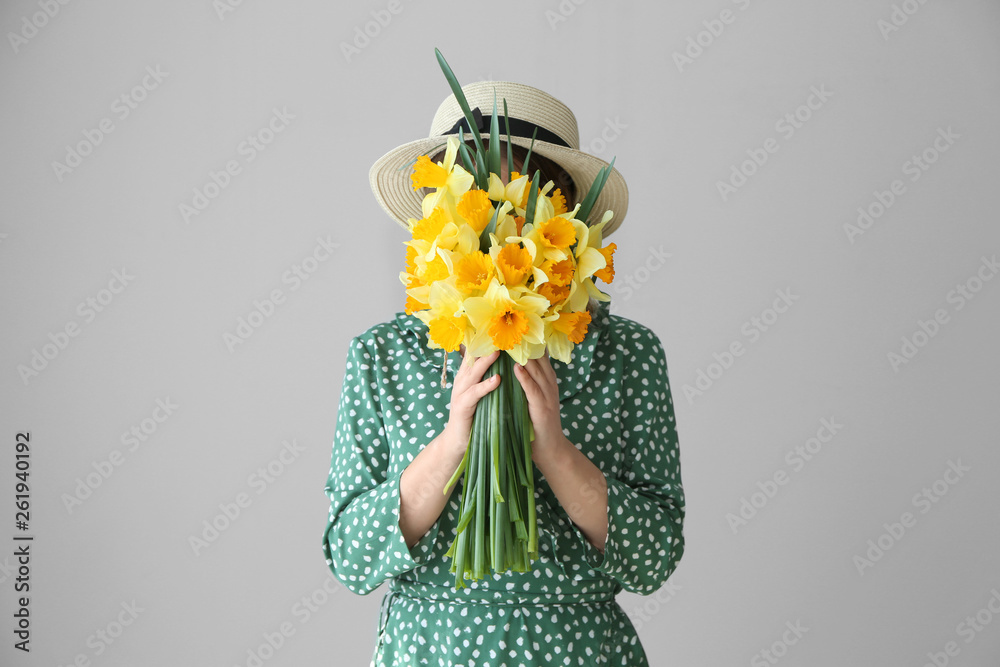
(390, 178)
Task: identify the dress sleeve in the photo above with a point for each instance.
(645, 539)
(363, 544)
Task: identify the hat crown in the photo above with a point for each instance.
(523, 102)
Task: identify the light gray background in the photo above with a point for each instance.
(682, 130)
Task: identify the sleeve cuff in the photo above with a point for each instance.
(592, 556)
(419, 553)
(609, 561)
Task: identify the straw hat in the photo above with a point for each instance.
(558, 139)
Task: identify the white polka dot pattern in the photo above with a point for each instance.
(616, 407)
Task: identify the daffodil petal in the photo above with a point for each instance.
(589, 261)
(496, 189)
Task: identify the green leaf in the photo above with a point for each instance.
(479, 554)
(460, 98)
(459, 470)
(493, 155)
(594, 192)
(590, 198)
(499, 421)
(527, 158)
(529, 209)
(483, 177)
(491, 228)
(510, 156)
(463, 152)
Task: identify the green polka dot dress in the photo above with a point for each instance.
(616, 408)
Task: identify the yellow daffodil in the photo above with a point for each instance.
(475, 208)
(409, 279)
(513, 262)
(551, 238)
(607, 274)
(450, 179)
(544, 210)
(424, 274)
(559, 273)
(435, 233)
(507, 319)
(564, 331)
(507, 225)
(445, 321)
(429, 228)
(516, 191)
(427, 174)
(556, 294)
(558, 201)
(474, 272)
(589, 260)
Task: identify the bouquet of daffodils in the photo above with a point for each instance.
(500, 265)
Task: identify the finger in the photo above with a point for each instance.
(549, 381)
(537, 373)
(461, 381)
(529, 385)
(473, 372)
(549, 370)
(468, 361)
(480, 389)
(484, 362)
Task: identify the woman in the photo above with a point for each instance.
(609, 500)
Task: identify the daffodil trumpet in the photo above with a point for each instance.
(496, 265)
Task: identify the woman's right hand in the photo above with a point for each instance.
(466, 391)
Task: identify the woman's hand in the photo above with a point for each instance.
(466, 391)
(541, 387)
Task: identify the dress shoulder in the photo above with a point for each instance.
(382, 335)
(634, 338)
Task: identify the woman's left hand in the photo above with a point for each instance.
(541, 388)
